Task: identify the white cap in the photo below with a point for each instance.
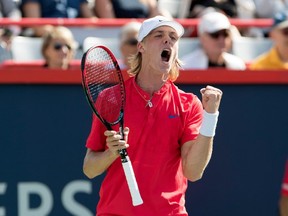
(157, 21)
(213, 22)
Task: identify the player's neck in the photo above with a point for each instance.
(148, 84)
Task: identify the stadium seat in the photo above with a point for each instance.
(81, 33)
(187, 45)
(4, 54)
(111, 43)
(249, 48)
(26, 48)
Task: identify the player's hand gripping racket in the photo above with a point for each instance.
(104, 88)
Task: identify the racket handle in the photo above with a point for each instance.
(132, 183)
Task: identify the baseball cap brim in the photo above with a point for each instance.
(282, 25)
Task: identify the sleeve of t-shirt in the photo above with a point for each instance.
(193, 119)
(96, 139)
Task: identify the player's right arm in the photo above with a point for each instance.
(97, 162)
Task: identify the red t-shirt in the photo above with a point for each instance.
(284, 189)
(155, 139)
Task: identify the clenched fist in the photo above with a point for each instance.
(211, 98)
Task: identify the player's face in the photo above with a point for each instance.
(160, 49)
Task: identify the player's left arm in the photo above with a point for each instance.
(196, 154)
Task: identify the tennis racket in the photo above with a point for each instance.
(105, 91)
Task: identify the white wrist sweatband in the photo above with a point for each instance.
(209, 124)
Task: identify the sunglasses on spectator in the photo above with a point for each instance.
(131, 42)
(216, 35)
(59, 46)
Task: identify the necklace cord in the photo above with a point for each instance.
(148, 102)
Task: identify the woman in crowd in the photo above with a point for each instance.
(58, 48)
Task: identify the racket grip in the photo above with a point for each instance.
(132, 183)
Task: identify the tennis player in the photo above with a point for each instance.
(170, 131)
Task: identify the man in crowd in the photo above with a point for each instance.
(277, 56)
(215, 35)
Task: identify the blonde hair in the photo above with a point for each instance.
(129, 28)
(135, 62)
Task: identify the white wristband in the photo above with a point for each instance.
(209, 124)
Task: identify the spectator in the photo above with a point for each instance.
(128, 42)
(58, 48)
(228, 7)
(53, 9)
(215, 35)
(283, 204)
(8, 9)
(128, 9)
(249, 9)
(277, 56)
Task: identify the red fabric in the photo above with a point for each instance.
(155, 138)
(285, 181)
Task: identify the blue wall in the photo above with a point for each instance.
(43, 129)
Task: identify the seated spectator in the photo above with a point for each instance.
(53, 9)
(214, 32)
(263, 9)
(128, 42)
(58, 48)
(128, 9)
(277, 56)
(228, 7)
(8, 9)
(283, 204)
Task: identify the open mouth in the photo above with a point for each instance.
(165, 55)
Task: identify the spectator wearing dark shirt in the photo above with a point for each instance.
(128, 9)
(54, 9)
(228, 7)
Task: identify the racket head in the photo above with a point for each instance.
(103, 85)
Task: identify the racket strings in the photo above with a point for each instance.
(103, 82)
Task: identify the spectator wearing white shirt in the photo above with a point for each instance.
(215, 35)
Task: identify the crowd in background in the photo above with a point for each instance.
(220, 37)
(242, 9)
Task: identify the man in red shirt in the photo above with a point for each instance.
(170, 135)
(284, 193)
